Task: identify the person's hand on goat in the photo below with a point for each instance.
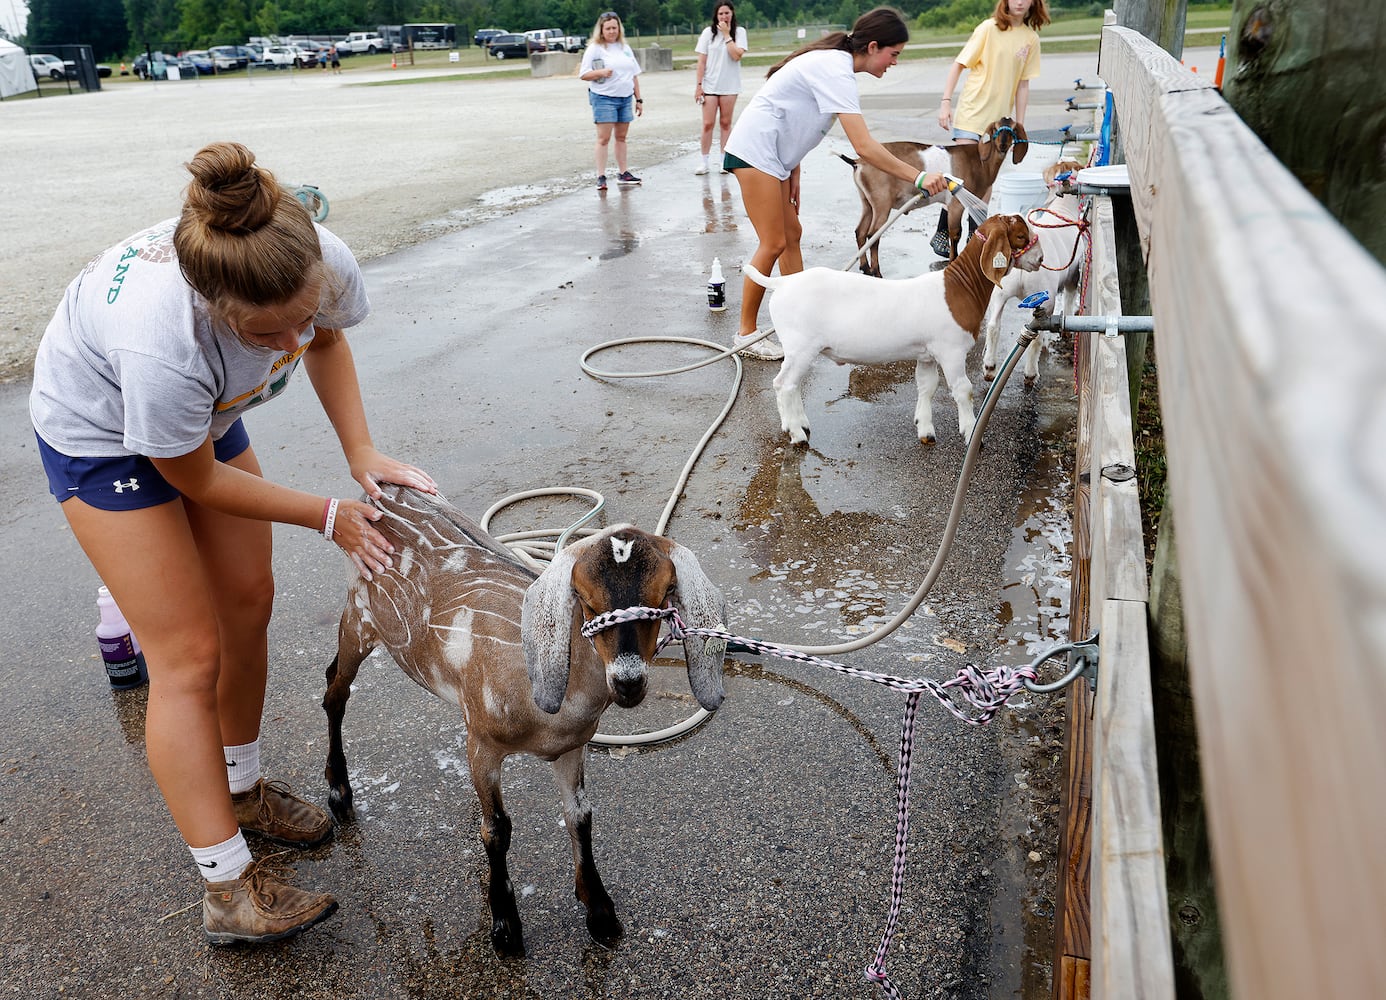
(348, 526)
(370, 468)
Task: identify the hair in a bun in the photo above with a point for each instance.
(242, 239)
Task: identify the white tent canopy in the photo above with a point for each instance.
(15, 75)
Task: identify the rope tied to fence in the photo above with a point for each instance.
(1081, 224)
(986, 691)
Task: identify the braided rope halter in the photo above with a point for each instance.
(985, 691)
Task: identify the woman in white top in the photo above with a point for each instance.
(157, 349)
(613, 90)
(720, 48)
(786, 119)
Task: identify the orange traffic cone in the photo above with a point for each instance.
(392, 62)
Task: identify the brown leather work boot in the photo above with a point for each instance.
(260, 906)
(277, 814)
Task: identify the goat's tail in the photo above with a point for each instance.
(764, 281)
(848, 160)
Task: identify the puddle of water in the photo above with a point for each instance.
(1033, 616)
(517, 196)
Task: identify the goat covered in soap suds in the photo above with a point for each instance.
(470, 623)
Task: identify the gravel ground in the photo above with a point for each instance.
(400, 164)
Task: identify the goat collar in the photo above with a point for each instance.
(1015, 255)
(1015, 137)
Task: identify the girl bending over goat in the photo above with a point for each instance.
(468, 622)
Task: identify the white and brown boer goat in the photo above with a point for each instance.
(932, 320)
(976, 165)
(467, 621)
(1063, 235)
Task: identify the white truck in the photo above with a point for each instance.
(369, 42)
(555, 40)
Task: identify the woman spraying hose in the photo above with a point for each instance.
(786, 119)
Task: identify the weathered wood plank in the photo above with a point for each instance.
(1118, 544)
(1073, 928)
(1272, 354)
(1139, 73)
(1131, 959)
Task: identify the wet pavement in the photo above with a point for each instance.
(748, 859)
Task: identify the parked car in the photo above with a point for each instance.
(228, 57)
(202, 61)
(45, 64)
(513, 46)
(159, 70)
(369, 42)
(483, 36)
(281, 56)
(552, 39)
(103, 70)
(311, 54)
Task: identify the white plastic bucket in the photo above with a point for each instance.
(1016, 192)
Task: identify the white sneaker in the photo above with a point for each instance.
(766, 349)
(702, 169)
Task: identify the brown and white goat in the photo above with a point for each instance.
(932, 320)
(1064, 249)
(468, 622)
(975, 164)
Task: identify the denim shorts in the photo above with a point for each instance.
(606, 110)
(125, 482)
(962, 133)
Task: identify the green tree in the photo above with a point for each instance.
(197, 21)
(268, 19)
(151, 23)
(78, 22)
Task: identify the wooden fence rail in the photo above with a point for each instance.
(1272, 357)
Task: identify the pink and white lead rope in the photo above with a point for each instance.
(987, 691)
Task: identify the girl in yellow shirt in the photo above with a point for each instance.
(1001, 58)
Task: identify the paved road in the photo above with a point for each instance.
(751, 858)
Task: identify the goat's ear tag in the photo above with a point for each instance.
(999, 261)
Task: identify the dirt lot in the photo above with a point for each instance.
(400, 164)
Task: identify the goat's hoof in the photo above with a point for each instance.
(341, 805)
(929, 438)
(989, 373)
(1031, 379)
(508, 942)
(605, 928)
(797, 436)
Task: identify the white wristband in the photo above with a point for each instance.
(330, 520)
(919, 181)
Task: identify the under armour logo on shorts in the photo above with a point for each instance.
(132, 485)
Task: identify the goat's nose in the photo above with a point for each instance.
(627, 678)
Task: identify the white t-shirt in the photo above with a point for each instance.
(722, 74)
(618, 58)
(794, 111)
(132, 363)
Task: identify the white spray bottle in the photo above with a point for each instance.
(716, 288)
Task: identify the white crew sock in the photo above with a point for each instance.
(225, 861)
(243, 766)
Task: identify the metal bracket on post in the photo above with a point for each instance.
(1082, 662)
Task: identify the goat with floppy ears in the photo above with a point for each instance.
(467, 621)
